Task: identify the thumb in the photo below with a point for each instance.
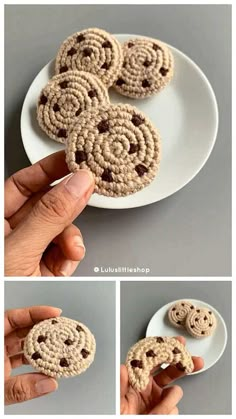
(55, 210)
(28, 386)
(124, 381)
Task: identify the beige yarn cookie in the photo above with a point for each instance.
(60, 347)
(64, 98)
(151, 352)
(120, 146)
(178, 312)
(147, 68)
(93, 50)
(200, 322)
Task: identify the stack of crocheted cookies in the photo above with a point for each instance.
(118, 143)
(198, 321)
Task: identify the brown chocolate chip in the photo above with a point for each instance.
(107, 44)
(120, 81)
(130, 44)
(79, 328)
(63, 69)
(179, 322)
(210, 324)
(71, 51)
(202, 332)
(210, 312)
(80, 38)
(177, 313)
(106, 66)
(63, 84)
(141, 169)
(136, 363)
(80, 156)
(198, 311)
(133, 148)
(197, 319)
(173, 309)
(182, 304)
(176, 351)
(36, 355)
(180, 366)
(164, 71)
(56, 107)
(159, 340)
(54, 322)
(85, 353)
(146, 83)
(205, 318)
(92, 93)
(78, 112)
(62, 133)
(64, 362)
(87, 52)
(107, 175)
(147, 63)
(137, 120)
(192, 326)
(43, 100)
(150, 354)
(155, 47)
(41, 338)
(103, 126)
(192, 307)
(68, 342)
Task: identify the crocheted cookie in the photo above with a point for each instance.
(64, 98)
(60, 347)
(151, 352)
(178, 312)
(119, 145)
(200, 322)
(93, 50)
(147, 68)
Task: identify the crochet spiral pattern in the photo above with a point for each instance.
(200, 323)
(93, 50)
(60, 347)
(178, 312)
(151, 352)
(147, 68)
(119, 145)
(64, 98)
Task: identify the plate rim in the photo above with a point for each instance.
(213, 309)
(203, 161)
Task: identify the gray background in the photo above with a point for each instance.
(189, 233)
(93, 303)
(205, 393)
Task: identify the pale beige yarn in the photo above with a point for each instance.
(200, 322)
(148, 67)
(151, 352)
(178, 312)
(93, 50)
(120, 146)
(60, 347)
(64, 97)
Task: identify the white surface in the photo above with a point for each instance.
(210, 348)
(185, 113)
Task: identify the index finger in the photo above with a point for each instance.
(28, 316)
(24, 183)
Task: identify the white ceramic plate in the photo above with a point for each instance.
(185, 113)
(210, 348)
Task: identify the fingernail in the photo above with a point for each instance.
(46, 385)
(78, 242)
(59, 309)
(67, 268)
(79, 183)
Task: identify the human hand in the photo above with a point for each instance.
(156, 399)
(40, 239)
(17, 324)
